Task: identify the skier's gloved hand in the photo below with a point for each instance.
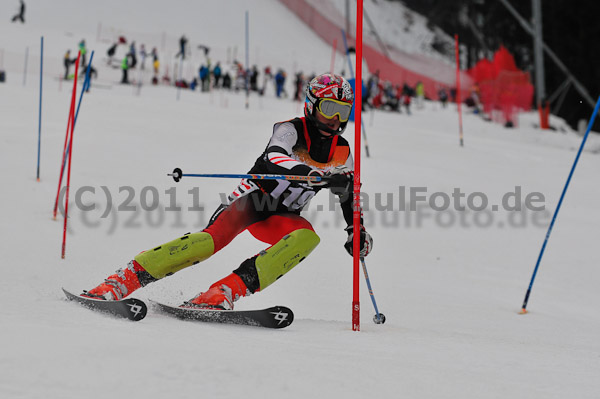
(340, 179)
(366, 241)
(317, 173)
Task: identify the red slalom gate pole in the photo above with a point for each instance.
(357, 145)
(72, 121)
(458, 99)
(62, 163)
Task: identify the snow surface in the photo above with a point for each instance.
(451, 290)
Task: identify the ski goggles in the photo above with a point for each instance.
(329, 108)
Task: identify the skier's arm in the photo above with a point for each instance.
(345, 193)
(279, 151)
(339, 182)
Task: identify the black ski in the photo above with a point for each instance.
(129, 308)
(273, 317)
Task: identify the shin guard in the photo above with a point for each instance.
(177, 254)
(265, 268)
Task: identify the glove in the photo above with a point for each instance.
(366, 241)
(340, 179)
(317, 173)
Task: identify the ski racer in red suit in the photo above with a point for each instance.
(268, 209)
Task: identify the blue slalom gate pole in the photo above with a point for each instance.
(562, 196)
(362, 123)
(40, 108)
(379, 318)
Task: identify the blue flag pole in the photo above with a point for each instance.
(562, 196)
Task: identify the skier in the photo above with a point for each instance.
(268, 209)
(182, 46)
(20, 16)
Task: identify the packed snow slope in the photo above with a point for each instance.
(450, 282)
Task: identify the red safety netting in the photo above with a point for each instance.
(502, 89)
(433, 74)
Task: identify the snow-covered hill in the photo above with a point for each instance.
(450, 282)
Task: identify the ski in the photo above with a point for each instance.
(273, 317)
(129, 308)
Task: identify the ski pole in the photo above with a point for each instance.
(379, 318)
(178, 174)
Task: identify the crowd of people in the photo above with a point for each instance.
(384, 95)
(234, 76)
(237, 78)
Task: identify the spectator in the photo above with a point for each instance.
(299, 85)
(204, 73)
(266, 78)
(182, 46)
(227, 81)
(124, 68)
(372, 88)
(193, 84)
(111, 52)
(420, 93)
(143, 56)
(279, 83)
(132, 55)
(443, 96)
(21, 15)
(67, 61)
(254, 79)
(155, 62)
(83, 52)
(406, 95)
(217, 74)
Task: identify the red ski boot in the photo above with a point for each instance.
(220, 295)
(119, 285)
